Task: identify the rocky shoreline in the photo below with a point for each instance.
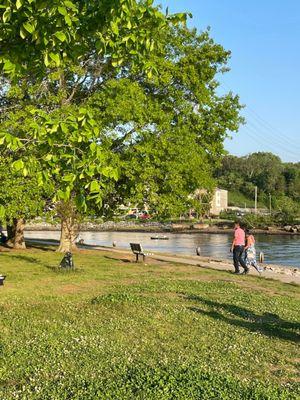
(158, 227)
(285, 274)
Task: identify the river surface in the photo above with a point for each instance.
(278, 249)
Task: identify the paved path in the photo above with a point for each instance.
(204, 262)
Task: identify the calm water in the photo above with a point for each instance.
(283, 250)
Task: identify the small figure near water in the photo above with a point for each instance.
(237, 248)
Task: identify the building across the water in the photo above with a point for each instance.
(219, 202)
(215, 202)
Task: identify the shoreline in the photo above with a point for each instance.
(286, 274)
(156, 228)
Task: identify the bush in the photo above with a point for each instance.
(287, 210)
(257, 221)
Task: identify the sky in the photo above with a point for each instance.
(264, 38)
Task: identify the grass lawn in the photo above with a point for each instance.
(238, 199)
(119, 330)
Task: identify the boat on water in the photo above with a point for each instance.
(159, 237)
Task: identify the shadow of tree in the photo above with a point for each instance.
(31, 260)
(267, 323)
(54, 268)
(41, 247)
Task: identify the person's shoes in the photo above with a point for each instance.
(237, 273)
(246, 271)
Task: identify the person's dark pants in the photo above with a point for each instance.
(238, 258)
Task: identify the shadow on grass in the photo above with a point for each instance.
(41, 247)
(267, 324)
(28, 259)
(53, 268)
(32, 260)
(124, 260)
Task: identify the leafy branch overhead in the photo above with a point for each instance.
(36, 35)
(112, 102)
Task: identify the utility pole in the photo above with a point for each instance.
(255, 206)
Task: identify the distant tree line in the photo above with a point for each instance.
(276, 181)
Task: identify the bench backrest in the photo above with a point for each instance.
(136, 248)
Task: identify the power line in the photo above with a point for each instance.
(257, 139)
(260, 130)
(272, 141)
(272, 129)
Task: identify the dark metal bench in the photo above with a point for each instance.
(137, 249)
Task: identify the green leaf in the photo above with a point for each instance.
(114, 28)
(46, 60)
(69, 178)
(19, 4)
(80, 202)
(9, 67)
(63, 11)
(23, 32)
(94, 187)
(110, 172)
(7, 15)
(55, 57)
(2, 212)
(18, 165)
(64, 127)
(68, 20)
(61, 36)
(29, 27)
(93, 147)
(71, 5)
(48, 157)
(25, 171)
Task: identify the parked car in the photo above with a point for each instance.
(131, 216)
(144, 215)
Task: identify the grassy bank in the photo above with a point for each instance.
(120, 330)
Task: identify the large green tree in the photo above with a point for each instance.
(119, 104)
(53, 56)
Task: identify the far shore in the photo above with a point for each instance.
(153, 227)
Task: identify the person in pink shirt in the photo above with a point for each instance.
(237, 248)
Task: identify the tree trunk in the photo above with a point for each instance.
(15, 233)
(69, 227)
(11, 231)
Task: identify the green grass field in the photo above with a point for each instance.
(119, 330)
(238, 199)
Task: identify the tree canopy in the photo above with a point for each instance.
(112, 102)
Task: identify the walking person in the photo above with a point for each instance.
(237, 248)
(250, 252)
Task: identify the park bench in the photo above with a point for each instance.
(137, 249)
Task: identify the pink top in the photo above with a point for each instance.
(239, 237)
